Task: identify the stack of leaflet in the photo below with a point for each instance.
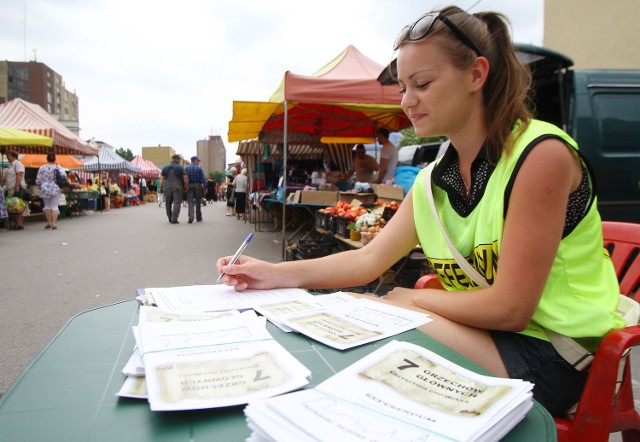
(342, 321)
(207, 361)
(338, 320)
(400, 392)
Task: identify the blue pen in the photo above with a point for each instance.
(237, 255)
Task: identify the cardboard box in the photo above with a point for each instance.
(387, 193)
(294, 197)
(364, 198)
(320, 197)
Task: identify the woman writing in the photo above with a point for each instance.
(460, 78)
(49, 190)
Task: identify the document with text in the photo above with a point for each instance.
(212, 298)
(399, 392)
(345, 324)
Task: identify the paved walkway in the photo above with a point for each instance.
(48, 276)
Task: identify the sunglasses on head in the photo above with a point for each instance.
(421, 27)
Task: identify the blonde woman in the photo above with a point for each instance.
(460, 77)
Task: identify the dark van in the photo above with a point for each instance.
(600, 109)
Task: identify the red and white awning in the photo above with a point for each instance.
(29, 117)
(149, 170)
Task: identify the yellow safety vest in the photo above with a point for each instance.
(582, 292)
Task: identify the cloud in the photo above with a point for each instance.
(151, 72)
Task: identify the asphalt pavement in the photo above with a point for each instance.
(48, 276)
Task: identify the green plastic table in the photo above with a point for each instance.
(67, 393)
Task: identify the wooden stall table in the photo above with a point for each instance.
(68, 392)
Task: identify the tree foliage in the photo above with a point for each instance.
(126, 154)
(410, 138)
(217, 176)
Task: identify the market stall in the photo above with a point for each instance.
(147, 168)
(14, 139)
(149, 172)
(109, 161)
(341, 103)
(29, 117)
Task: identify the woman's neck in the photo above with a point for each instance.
(469, 140)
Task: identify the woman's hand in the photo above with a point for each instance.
(402, 295)
(247, 273)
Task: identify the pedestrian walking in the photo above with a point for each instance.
(240, 186)
(229, 193)
(197, 184)
(177, 181)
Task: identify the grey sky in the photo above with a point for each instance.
(151, 72)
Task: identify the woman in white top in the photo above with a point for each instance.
(240, 184)
(49, 190)
(14, 180)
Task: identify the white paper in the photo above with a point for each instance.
(134, 366)
(156, 314)
(134, 387)
(276, 311)
(217, 363)
(350, 324)
(400, 392)
(212, 298)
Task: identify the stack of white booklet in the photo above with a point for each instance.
(337, 320)
(400, 392)
(195, 362)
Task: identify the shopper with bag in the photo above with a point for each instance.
(51, 178)
(16, 186)
(514, 195)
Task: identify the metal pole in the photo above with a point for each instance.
(284, 181)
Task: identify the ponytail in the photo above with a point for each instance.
(507, 89)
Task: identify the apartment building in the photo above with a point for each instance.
(212, 154)
(37, 83)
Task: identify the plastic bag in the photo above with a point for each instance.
(15, 205)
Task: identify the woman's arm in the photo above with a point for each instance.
(532, 233)
(345, 269)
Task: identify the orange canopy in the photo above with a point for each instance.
(65, 161)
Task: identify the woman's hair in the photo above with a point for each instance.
(507, 88)
(51, 157)
(13, 153)
(243, 172)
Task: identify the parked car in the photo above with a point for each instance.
(418, 155)
(600, 109)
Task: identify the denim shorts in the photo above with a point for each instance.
(557, 385)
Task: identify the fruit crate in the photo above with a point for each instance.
(309, 248)
(388, 213)
(341, 226)
(331, 223)
(322, 220)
